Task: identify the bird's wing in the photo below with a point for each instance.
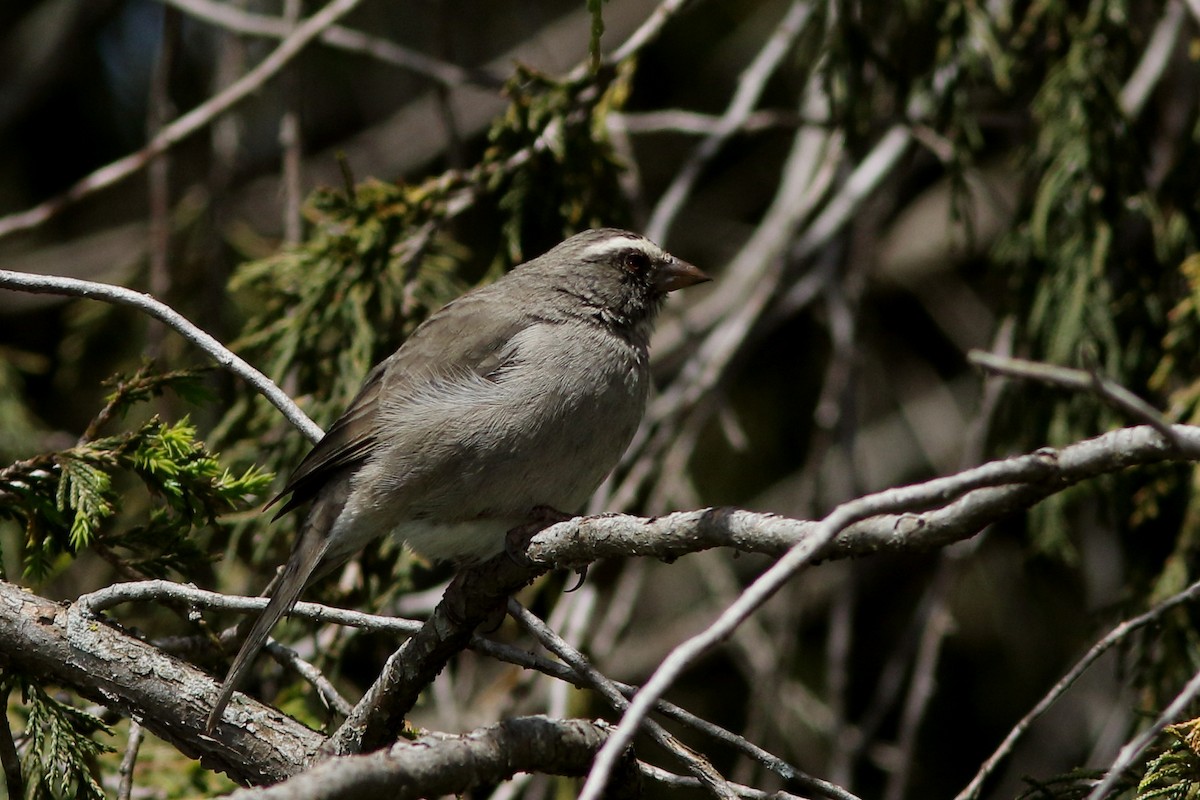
(468, 335)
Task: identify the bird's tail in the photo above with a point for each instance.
(305, 557)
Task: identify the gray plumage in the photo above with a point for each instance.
(519, 394)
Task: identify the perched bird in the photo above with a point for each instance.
(519, 395)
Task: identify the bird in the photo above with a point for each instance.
(516, 396)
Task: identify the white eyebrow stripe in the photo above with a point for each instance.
(617, 243)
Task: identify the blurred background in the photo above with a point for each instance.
(876, 188)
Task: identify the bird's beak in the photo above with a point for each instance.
(676, 274)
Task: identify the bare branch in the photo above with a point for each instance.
(678, 120)
(186, 125)
(65, 645)
(292, 660)
(1113, 637)
(237, 20)
(119, 295)
(129, 761)
(751, 83)
(711, 780)
(1092, 381)
(1155, 57)
(1134, 748)
(438, 765)
(1044, 466)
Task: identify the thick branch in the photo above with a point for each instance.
(71, 646)
(433, 766)
(61, 644)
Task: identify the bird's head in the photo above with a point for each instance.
(616, 273)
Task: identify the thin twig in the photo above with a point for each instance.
(1079, 380)
(673, 781)
(1112, 638)
(161, 591)
(796, 559)
(186, 125)
(750, 86)
(1133, 749)
(678, 120)
(159, 111)
(246, 23)
(701, 769)
(290, 139)
(129, 760)
(920, 692)
(647, 32)
(292, 660)
(119, 295)
(1153, 63)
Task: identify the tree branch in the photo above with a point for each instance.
(72, 647)
(1046, 467)
(65, 645)
(434, 765)
(119, 295)
(186, 125)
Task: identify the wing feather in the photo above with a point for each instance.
(466, 335)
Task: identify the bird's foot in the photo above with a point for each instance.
(517, 539)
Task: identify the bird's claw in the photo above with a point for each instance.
(580, 577)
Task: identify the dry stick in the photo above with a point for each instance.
(325, 688)
(1156, 55)
(129, 760)
(475, 595)
(159, 111)
(699, 766)
(725, 341)
(755, 273)
(119, 295)
(673, 712)
(1133, 749)
(290, 140)
(183, 127)
(1113, 637)
(239, 21)
(646, 33)
(439, 764)
(678, 120)
(1021, 469)
(159, 591)
(1079, 380)
(750, 86)
(921, 690)
(662, 776)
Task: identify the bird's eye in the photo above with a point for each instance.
(636, 261)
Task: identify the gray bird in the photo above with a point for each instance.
(517, 395)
